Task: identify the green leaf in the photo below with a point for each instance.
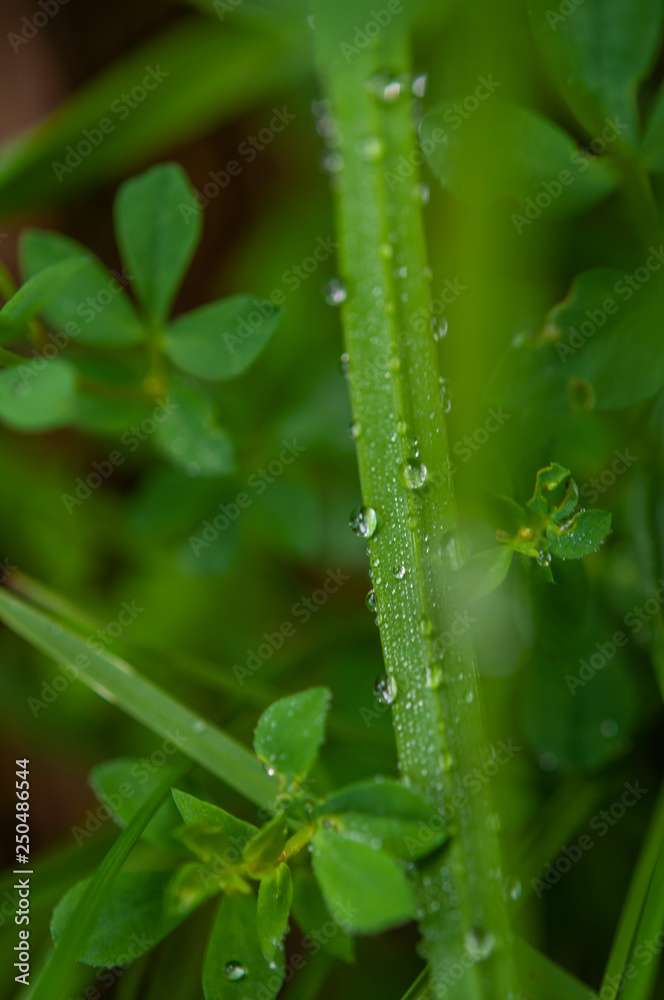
(652, 147)
(268, 843)
(234, 967)
(530, 157)
(580, 536)
(38, 396)
(156, 239)
(92, 306)
(600, 347)
(484, 572)
(113, 678)
(290, 733)
(597, 53)
(234, 832)
(275, 896)
(190, 438)
(314, 920)
(385, 814)
(366, 884)
(554, 490)
(221, 340)
(37, 292)
(543, 979)
(190, 886)
(131, 921)
(124, 786)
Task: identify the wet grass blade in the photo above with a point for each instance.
(119, 683)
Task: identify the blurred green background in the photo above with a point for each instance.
(201, 614)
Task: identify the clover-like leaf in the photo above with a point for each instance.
(190, 886)
(366, 884)
(38, 396)
(235, 967)
(191, 439)
(275, 896)
(131, 922)
(156, 237)
(290, 733)
(219, 341)
(598, 52)
(387, 815)
(92, 307)
(35, 294)
(268, 843)
(483, 573)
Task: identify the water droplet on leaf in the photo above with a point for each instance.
(334, 292)
(479, 943)
(413, 474)
(234, 971)
(385, 690)
(364, 522)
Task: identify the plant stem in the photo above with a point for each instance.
(400, 430)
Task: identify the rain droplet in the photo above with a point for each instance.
(445, 395)
(413, 474)
(544, 559)
(419, 85)
(439, 327)
(399, 571)
(372, 148)
(446, 760)
(364, 522)
(355, 430)
(385, 690)
(479, 944)
(434, 676)
(334, 292)
(370, 600)
(234, 971)
(426, 628)
(513, 890)
(198, 726)
(402, 428)
(423, 193)
(386, 88)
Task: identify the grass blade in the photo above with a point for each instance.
(119, 683)
(634, 903)
(54, 978)
(543, 979)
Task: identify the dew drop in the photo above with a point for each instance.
(386, 88)
(513, 890)
(452, 550)
(334, 292)
(446, 761)
(413, 474)
(402, 428)
(426, 628)
(419, 85)
(355, 430)
(198, 726)
(434, 676)
(423, 193)
(445, 395)
(439, 327)
(399, 571)
(544, 559)
(370, 600)
(385, 690)
(234, 971)
(372, 148)
(364, 522)
(479, 944)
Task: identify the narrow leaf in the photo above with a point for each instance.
(124, 785)
(37, 292)
(275, 896)
(155, 236)
(368, 885)
(235, 968)
(290, 732)
(221, 340)
(115, 680)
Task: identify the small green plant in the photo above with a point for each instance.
(107, 365)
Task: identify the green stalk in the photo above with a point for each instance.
(400, 431)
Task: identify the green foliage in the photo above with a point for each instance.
(290, 733)
(37, 401)
(275, 897)
(235, 966)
